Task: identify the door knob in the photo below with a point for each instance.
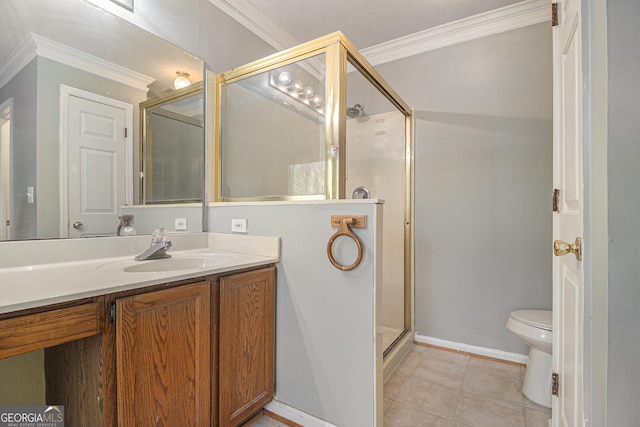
(78, 225)
(561, 248)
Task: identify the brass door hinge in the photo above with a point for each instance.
(554, 14)
(556, 197)
(555, 383)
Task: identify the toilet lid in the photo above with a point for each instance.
(539, 318)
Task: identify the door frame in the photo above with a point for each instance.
(6, 143)
(596, 218)
(65, 93)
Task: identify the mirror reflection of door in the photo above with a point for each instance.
(5, 169)
(97, 153)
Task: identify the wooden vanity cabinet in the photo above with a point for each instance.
(163, 357)
(191, 353)
(197, 354)
(246, 345)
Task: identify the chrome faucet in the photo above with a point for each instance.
(159, 246)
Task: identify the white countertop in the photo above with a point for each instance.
(29, 286)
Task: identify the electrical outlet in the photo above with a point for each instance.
(29, 194)
(181, 224)
(238, 225)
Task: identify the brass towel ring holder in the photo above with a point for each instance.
(344, 224)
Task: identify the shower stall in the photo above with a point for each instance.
(318, 122)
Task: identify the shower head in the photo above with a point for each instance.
(355, 111)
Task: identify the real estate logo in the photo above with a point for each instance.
(31, 416)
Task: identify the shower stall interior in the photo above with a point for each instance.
(318, 122)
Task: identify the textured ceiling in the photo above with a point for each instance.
(367, 22)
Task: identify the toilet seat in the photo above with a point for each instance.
(541, 319)
(534, 327)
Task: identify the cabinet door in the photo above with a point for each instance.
(247, 317)
(163, 357)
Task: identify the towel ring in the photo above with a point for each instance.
(344, 230)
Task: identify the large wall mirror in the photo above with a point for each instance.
(72, 80)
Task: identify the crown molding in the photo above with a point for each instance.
(24, 53)
(518, 15)
(256, 22)
(497, 21)
(36, 45)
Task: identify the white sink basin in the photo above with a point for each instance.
(170, 264)
(177, 263)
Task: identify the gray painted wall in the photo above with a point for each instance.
(200, 28)
(483, 183)
(624, 204)
(22, 88)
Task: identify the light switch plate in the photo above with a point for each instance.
(238, 225)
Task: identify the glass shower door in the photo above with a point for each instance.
(316, 122)
(375, 143)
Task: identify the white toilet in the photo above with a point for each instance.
(534, 328)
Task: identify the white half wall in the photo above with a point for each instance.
(148, 218)
(328, 334)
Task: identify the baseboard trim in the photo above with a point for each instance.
(472, 349)
(296, 416)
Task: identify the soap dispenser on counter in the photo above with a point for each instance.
(125, 228)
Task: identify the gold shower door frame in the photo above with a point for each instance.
(339, 52)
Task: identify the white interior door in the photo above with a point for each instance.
(97, 166)
(568, 287)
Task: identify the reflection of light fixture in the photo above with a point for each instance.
(297, 86)
(182, 80)
(308, 92)
(297, 91)
(316, 101)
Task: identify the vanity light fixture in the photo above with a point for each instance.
(284, 78)
(182, 80)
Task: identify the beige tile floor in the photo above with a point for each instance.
(439, 388)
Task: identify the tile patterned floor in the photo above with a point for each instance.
(438, 388)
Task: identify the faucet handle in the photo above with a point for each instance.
(159, 236)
